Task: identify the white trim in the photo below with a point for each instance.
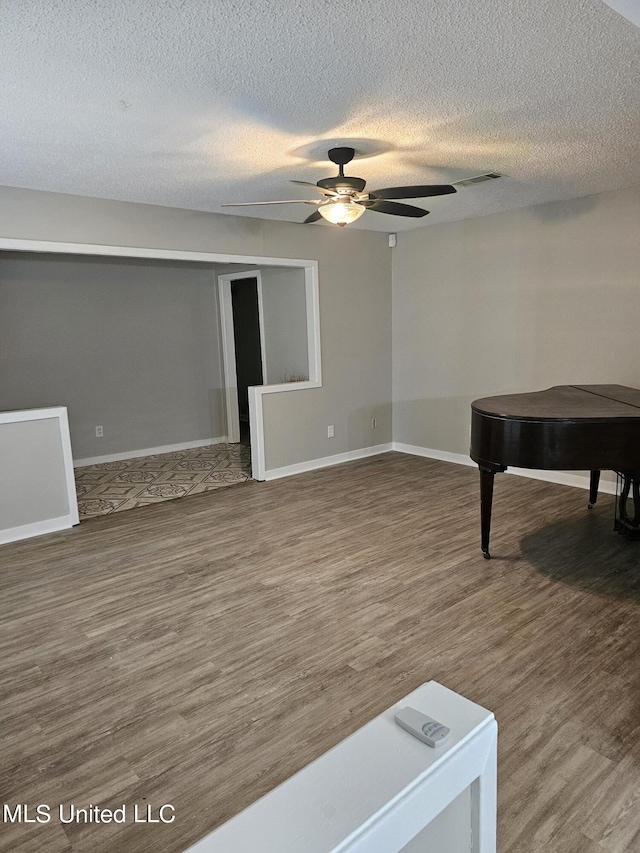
(326, 461)
(256, 426)
(149, 451)
(67, 456)
(37, 528)
(313, 325)
(442, 455)
(228, 358)
(12, 244)
(263, 352)
(580, 481)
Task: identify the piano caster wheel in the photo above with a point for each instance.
(486, 555)
(589, 506)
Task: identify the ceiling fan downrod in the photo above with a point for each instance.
(341, 156)
(342, 183)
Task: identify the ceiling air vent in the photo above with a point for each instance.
(490, 176)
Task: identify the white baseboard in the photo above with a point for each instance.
(36, 528)
(148, 451)
(580, 481)
(442, 455)
(326, 461)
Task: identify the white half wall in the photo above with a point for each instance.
(37, 488)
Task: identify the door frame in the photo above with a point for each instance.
(228, 341)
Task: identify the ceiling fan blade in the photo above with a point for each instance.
(382, 206)
(286, 201)
(313, 217)
(413, 192)
(323, 190)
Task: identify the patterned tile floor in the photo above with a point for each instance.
(114, 486)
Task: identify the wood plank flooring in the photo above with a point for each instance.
(198, 652)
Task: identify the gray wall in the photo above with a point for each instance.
(285, 323)
(518, 301)
(355, 303)
(132, 345)
(506, 303)
(355, 322)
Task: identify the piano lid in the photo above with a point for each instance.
(621, 393)
(564, 402)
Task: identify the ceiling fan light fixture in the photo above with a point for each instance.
(341, 211)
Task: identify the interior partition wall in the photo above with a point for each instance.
(310, 270)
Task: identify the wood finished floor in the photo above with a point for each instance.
(198, 652)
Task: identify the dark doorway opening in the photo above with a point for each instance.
(247, 344)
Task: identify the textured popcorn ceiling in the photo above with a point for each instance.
(193, 103)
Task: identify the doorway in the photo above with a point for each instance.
(248, 344)
(243, 346)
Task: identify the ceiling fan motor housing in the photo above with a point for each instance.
(343, 184)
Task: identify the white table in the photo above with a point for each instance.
(383, 791)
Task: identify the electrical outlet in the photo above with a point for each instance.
(374, 423)
(330, 431)
(99, 432)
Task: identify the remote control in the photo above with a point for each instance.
(425, 728)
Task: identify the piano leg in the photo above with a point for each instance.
(486, 500)
(593, 488)
(627, 502)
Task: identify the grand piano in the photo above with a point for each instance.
(565, 428)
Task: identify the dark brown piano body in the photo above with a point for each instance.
(565, 428)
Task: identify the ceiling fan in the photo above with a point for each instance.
(344, 199)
